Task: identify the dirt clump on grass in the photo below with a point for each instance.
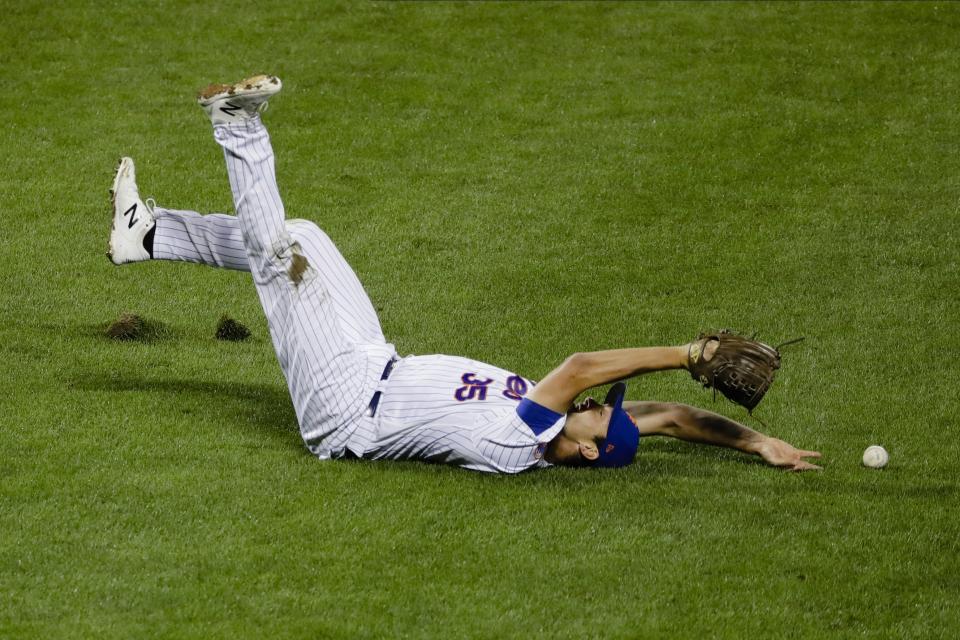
(131, 326)
(230, 329)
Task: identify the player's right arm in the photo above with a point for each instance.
(582, 371)
(698, 425)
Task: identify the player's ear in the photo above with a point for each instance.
(589, 451)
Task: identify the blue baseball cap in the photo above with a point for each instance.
(623, 436)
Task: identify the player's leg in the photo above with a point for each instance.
(216, 240)
(356, 312)
(143, 231)
(304, 248)
(331, 377)
(213, 239)
(276, 250)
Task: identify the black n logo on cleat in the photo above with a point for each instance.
(230, 109)
(133, 215)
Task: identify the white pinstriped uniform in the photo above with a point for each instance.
(330, 345)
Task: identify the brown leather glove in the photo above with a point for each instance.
(741, 368)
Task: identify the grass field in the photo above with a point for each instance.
(513, 183)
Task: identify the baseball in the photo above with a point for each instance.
(875, 457)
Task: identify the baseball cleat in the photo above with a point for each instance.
(239, 102)
(133, 219)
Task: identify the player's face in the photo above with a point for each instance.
(588, 420)
(578, 443)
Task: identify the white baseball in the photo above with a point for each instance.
(875, 457)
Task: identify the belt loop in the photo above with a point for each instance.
(388, 369)
(375, 400)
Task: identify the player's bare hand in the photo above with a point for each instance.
(781, 454)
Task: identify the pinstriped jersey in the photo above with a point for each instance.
(460, 411)
(330, 344)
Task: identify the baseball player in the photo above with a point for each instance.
(353, 396)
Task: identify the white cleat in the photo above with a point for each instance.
(239, 102)
(132, 217)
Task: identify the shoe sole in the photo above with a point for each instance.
(254, 86)
(121, 169)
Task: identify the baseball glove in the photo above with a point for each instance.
(741, 368)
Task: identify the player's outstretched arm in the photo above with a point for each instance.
(582, 371)
(697, 425)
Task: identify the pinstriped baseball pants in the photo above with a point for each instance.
(324, 329)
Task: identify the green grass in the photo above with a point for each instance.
(512, 182)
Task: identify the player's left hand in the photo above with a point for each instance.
(781, 454)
